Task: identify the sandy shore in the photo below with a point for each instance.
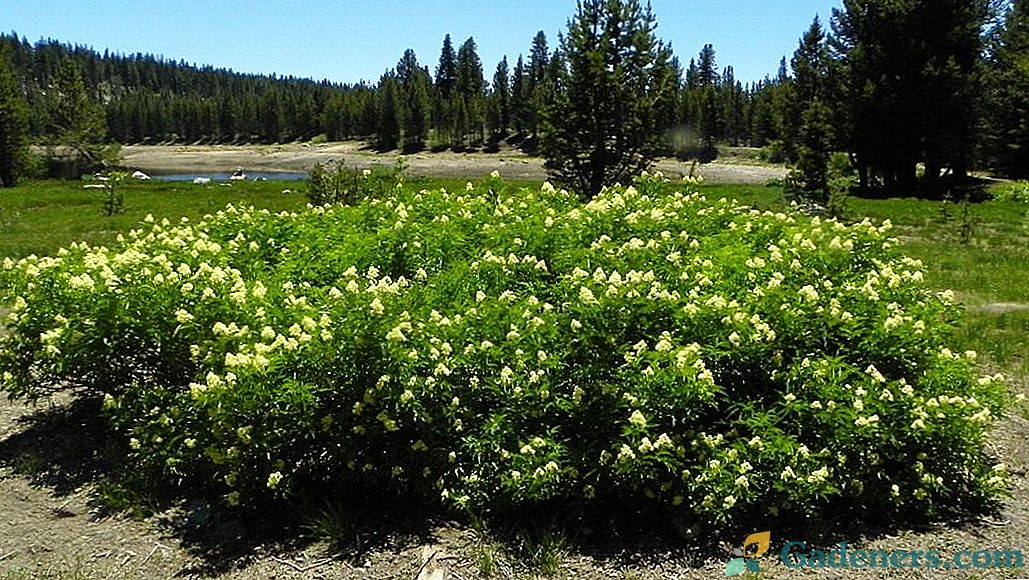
(166, 159)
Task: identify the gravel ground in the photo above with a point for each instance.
(165, 159)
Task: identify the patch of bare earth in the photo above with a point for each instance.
(999, 307)
(511, 163)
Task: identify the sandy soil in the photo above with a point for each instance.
(512, 164)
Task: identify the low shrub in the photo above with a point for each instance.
(503, 351)
(1014, 191)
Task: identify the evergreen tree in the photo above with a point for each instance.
(1007, 118)
(390, 113)
(707, 106)
(471, 88)
(76, 122)
(14, 125)
(519, 97)
(813, 150)
(707, 70)
(692, 75)
(810, 65)
(602, 128)
(911, 74)
(446, 70)
(414, 84)
(536, 86)
(500, 99)
(810, 82)
(444, 94)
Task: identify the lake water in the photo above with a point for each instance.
(251, 176)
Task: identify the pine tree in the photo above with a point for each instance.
(602, 128)
(519, 97)
(414, 85)
(1007, 118)
(816, 136)
(446, 70)
(911, 71)
(537, 82)
(471, 88)
(14, 125)
(76, 122)
(443, 94)
(500, 99)
(710, 114)
(390, 113)
(707, 70)
(810, 82)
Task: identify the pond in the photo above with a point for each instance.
(224, 176)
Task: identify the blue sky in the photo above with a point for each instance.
(346, 41)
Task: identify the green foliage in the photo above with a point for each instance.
(503, 350)
(335, 183)
(392, 113)
(1014, 191)
(816, 136)
(1007, 80)
(114, 196)
(911, 86)
(40, 217)
(499, 117)
(414, 85)
(602, 127)
(544, 552)
(77, 127)
(14, 126)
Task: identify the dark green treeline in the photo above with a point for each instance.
(456, 102)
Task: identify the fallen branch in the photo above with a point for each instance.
(298, 568)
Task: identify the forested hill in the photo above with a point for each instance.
(152, 99)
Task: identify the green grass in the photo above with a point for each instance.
(39, 217)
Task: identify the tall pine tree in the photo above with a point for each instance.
(1007, 118)
(414, 84)
(911, 74)
(500, 99)
(77, 124)
(602, 128)
(14, 125)
(471, 89)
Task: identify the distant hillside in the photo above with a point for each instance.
(149, 98)
(454, 105)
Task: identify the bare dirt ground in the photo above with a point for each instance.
(512, 164)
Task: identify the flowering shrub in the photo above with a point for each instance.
(496, 351)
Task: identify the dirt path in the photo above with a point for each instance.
(512, 164)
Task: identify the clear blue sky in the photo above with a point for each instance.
(346, 40)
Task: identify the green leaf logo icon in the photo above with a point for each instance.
(735, 567)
